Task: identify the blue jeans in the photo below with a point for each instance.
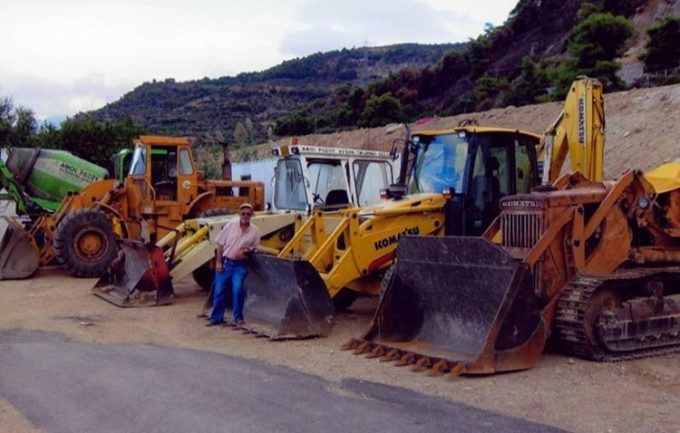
(234, 272)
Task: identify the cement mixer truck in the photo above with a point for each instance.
(36, 181)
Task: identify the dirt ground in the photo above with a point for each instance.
(640, 396)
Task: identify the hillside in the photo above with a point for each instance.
(343, 89)
(255, 100)
(642, 130)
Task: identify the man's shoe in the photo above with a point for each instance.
(239, 323)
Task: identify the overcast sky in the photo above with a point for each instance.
(60, 57)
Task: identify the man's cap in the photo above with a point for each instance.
(246, 206)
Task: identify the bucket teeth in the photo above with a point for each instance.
(351, 344)
(407, 359)
(391, 355)
(440, 367)
(456, 370)
(421, 364)
(377, 352)
(362, 348)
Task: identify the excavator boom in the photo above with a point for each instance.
(577, 132)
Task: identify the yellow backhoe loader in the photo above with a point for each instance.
(450, 184)
(295, 294)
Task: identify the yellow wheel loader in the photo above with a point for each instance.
(306, 179)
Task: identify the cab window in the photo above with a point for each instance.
(185, 167)
(370, 177)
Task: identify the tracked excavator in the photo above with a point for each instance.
(592, 264)
(307, 179)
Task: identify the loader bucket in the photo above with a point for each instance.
(286, 299)
(137, 277)
(456, 305)
(19, 257)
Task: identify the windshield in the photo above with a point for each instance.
(289, 185)
(440, 163)
(138, 166)
(329, 184)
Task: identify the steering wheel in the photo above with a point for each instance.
(317, 198)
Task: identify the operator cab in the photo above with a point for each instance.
(310, 177)
(477, 166)
(170, 168)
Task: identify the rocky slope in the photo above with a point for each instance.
(642, 129)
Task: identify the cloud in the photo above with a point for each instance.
(73, 55)
(48, 98)
(355, 23)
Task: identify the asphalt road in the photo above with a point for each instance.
(64, 386)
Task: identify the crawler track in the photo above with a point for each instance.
(572, 327)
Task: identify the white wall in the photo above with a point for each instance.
(261, 170)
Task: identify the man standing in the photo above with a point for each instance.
(236, 240)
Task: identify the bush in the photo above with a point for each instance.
(381, 110)
(530, 87)
(663, 49)
(593, 46)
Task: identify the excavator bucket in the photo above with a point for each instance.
(137, 277)
(456, 305)
(19, 257)
(286, 299)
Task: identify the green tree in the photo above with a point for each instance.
(662, 49)
(294, 124)
(240, 133)
(486, 87)
(25, 128)
(18, 126)
(531, 85)
(593, 46)
(6, 120)
(95, 141)
(381, 110)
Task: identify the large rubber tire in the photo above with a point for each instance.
(344, 299)
(84, 243)
(205, 275)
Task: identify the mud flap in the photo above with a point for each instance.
(19, 257)
(286, 299)
(460, 305)
(137, 277)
